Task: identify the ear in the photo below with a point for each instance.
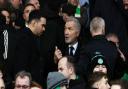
(71, 70)
(78, 33)
(33, 23)
(96, 85)
(103, 30)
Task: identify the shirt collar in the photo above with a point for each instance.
(82, 2)
(74, 46)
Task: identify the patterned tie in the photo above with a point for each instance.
(5, 43)
(71, 51)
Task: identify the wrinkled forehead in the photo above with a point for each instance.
(22, 80)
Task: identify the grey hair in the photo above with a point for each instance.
(97, 24)
(76, 21)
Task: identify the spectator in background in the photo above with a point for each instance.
(73, 2)
(23, 80)
(99, 43)
(28, 56)
(36, 3)
(2, 85)
(56, 80)
(116, 20)
(98, 80)
(66, 66)
(15, 3)
(27, 9)
(67, 10)
(98, 64)
(15, 9)
(82, 13)
(119, 84)
(6, 13)
(9, 42)
(2, 23)
(3, 4)
(121, 62)
(35, 85)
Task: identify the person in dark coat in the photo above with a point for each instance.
(2, 23)
(9, 43)
(15, 9)
(99, 43)
(28, 51)
(54, 34)
(110, 11)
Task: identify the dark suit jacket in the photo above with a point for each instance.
(1, 48)
(77, 52)
(80, 59)
(11, 56)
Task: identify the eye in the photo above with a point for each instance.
(27, 11)
(60, 69)
(44, 25)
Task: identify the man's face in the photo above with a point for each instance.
(65, 16)
(100, 68)
(22, 83)
(73, 2)
(40, 26)
(27, 11)
(2, 85)
(115, 87)
(7, 16)
(35, 3)
(62, 67)
(103, 84)
(17, 3)
(71, 32)
(125, 2)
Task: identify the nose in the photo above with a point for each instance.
(38, 4)
(43, 29)
(108, 86)
(100, 68)
(66, 31)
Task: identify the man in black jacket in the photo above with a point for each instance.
(111, 12)
(99, 43)
(28, 51)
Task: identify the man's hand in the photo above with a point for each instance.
(57, 55)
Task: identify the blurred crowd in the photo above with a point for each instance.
(64, 44)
